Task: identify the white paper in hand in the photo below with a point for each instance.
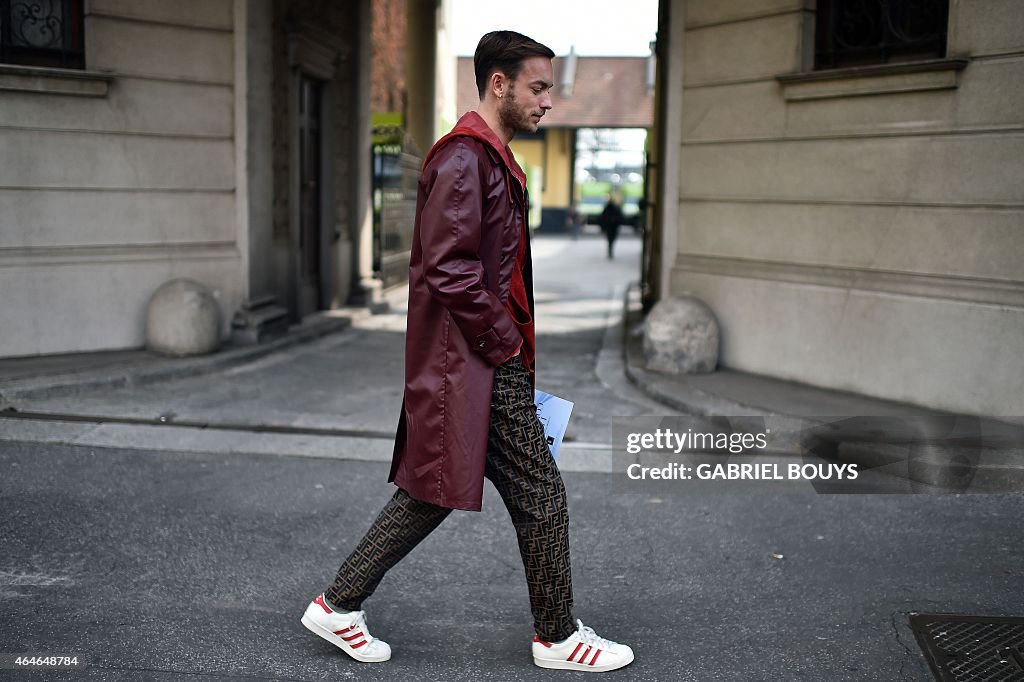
(553, 413)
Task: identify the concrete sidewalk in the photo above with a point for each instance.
(723, 392)
(46, 376)
(283, 397)
(337, 394)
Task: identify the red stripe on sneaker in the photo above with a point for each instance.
(341, 632)
(583, 656)
(320, 601)
(538, 640)
(594, 659)
(351, 637)
(356, 646)
(578, 646)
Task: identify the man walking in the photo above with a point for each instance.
(468, 409)
(610, 220)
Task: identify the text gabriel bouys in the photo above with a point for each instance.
(735, 471)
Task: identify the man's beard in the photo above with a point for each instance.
(512, 117)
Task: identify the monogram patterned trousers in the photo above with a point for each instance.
(520, 466)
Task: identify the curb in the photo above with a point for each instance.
(1002, 471)
(165, 368)
(691, 401)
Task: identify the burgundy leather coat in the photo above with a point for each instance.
(471, 212)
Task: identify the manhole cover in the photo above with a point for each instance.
(971, 648)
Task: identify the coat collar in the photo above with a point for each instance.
(473, 125)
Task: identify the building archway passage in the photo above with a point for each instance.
(590, 93)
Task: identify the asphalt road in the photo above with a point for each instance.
(169, 565)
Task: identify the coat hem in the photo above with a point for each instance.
(460, 505)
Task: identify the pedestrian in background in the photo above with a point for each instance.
(468, 409)
(610, 220)
(575, 220)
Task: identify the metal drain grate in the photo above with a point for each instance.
(971, 648)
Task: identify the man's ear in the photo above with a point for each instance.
(498, 83)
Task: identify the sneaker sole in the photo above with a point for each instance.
(326, 634)
(569, 665)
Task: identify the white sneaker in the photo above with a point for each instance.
(583, 651)
(347, 631)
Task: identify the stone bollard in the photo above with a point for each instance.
(183, 318)
(681, 337)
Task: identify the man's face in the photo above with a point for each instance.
(528, 97)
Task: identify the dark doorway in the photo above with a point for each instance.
(310, 183)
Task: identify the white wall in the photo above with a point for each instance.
(102, 199)
(866, 243)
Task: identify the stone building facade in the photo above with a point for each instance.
(216, 140)
(857, 226)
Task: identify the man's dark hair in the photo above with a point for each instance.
(504, 51)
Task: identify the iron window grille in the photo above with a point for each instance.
(42, 33)
(864, 32)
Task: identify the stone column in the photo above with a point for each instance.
(365, 286)
(420, 70)
(254, 140)
(664, 239)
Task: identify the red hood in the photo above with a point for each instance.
(473, 125)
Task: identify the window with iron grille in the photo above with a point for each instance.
(863, 32)
(42, 33)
